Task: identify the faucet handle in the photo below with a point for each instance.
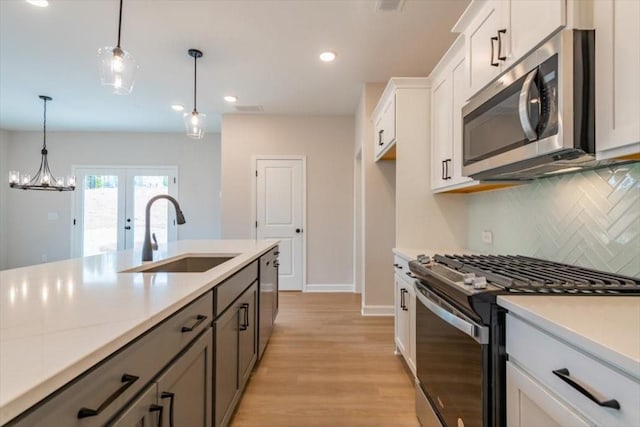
(154, 245)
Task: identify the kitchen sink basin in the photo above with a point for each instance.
(187, 264)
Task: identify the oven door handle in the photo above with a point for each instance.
(523, 106)
(478, 333)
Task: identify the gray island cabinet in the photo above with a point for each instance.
(188, 370)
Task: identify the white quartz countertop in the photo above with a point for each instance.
(607, 327)
(59, 319)
(412, 253)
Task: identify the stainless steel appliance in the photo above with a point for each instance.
(460, 345)
(268, 297)
(538, 118)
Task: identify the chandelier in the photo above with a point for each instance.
(44, 179)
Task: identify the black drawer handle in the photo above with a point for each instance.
(157, 408)
(380, 132)
(126, 380)
(397, 266)
(410, 274)
(496, 63)
(170, 396)
(276, 253)
(403, 303)
(564, 375)
(245, 324)
(199, 319)
(276, 264)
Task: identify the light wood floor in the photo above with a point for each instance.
(326, 365)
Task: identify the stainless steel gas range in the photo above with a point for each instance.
(460, 330)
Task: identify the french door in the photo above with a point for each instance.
(109, 207)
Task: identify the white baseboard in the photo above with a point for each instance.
(378, 310)
(318, 287)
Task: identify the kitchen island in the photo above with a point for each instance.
(59, 320)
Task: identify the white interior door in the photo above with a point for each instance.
(279, 213)
(109, 208)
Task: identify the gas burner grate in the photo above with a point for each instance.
(518, 273)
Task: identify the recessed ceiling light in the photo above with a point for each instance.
(177, 107)
(39, 3)
(327, 56)
(230, 98)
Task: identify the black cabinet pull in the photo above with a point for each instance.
(276, 264)
(447, 174)
(199, 319)
(398, 266)
(495, 64)
(157, 408)
(410, 274)
(380, 132)
(245, 322)
(170, 396)
(127, 227)
(501, 57)
(564, 375)
(402, 298)
(126, 380)
(276, 253)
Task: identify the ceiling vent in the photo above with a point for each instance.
(249, 108)
(389, 5)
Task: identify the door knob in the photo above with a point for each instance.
(298, 230)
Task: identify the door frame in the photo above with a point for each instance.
(254, 202)
(73, 230)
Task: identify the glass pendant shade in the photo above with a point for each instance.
(195, 124)
(117, 69)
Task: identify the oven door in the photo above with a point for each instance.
(451, 356)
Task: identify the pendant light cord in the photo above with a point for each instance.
(195, 82)
(119, 23)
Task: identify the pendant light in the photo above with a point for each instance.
(194, 121)
(117, 66)
(44, 179)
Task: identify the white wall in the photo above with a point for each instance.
(327, 142)
(378, 207)
(591, 219)
(29, 235)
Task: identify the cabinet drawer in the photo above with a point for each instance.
(143, 358)
(227, 292)
(400, 265)
(540, 354)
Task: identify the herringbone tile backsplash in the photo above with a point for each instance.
(591, 219)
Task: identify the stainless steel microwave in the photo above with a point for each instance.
(538, 118)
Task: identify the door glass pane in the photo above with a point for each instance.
(144, 188)
(100, 214)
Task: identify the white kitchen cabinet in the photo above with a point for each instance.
(548, 379)
(405, 314)
(384, 119)
(617, 25)
(448, 95)
(500, 32)
(530, 22)
(530, 404)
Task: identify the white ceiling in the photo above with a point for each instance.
(263, 51)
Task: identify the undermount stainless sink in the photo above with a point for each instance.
(187, 264)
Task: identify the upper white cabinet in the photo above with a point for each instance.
(617, 24)
(501, 32)
(384, 125)
(448, 95)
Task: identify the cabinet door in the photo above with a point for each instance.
(481, 47)
(441, 132)
(248, 348)
(530, 23)
(410, 302)
(226, 364)
(402, 318)
(459, 91)
(617, 24)
(389, 121)
(530, 404)
(185, 387)
(142, 412)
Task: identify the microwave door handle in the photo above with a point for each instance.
(523, 107)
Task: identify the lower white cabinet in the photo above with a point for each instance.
(405, 314)
(551, 383)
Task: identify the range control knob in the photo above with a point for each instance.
(468, 278)
(423, 259)
(479, 282)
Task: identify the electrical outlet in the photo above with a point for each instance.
(487, 237)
